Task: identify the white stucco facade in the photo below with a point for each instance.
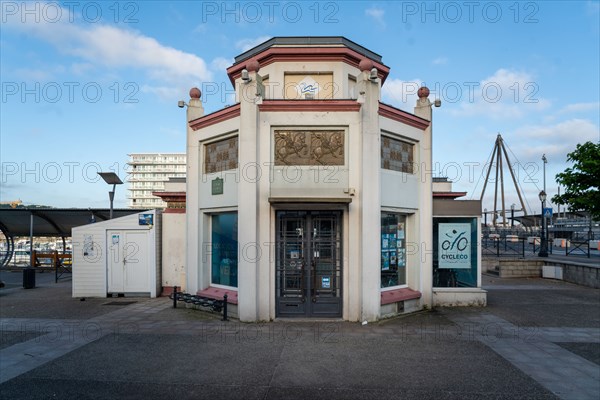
(341, 186)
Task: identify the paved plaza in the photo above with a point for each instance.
(537, 339)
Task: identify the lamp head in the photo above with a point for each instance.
(373, 74)
(542, 196)
(437, 103)
(111, 178)
(245, 77)
(181, 104)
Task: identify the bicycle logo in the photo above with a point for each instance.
(459, 241)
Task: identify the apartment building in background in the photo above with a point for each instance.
(148, 173)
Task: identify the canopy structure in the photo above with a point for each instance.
(43, 222)
(535, 219)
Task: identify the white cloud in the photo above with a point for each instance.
(220, 64)
(377, 15)
(400, 93)
(554, 140)
(247, 44)
(117, 48)
(505, 94)
(165, 92)
(81, 68)
(36, 74)
(592, 8)
(440, 61)
(580, 107)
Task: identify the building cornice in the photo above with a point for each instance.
(309, 105)
(407, 118)
(216, 117)
(306, 54)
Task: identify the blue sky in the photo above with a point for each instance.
(86, 83)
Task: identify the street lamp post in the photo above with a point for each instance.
(112, 179)
(544, 244)
(512, 215)
(485, 217)
(544, 162)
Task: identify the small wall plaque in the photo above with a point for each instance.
(146, 219)
(217, 186)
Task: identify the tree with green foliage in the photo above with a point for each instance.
(581, 182)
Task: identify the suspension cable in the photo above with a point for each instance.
(529, 176)
(481, 175)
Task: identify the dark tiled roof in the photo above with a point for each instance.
(308, 41)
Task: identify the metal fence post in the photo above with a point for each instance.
(225, 307)
(174, 296)
(589, 245)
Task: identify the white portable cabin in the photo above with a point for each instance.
(118, 256)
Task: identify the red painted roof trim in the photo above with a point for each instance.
(170, 195)
(394, 296)
(216, 117)
(407, 118)
(303, 54)
(449, 194)
(309, 105)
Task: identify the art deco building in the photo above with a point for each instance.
(312, 198)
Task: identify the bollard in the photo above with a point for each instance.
(225, 307)
(174, 296)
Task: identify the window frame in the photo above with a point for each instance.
(405, 217)
(236, 250)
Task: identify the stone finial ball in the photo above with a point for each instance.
(252, 66)
(365, 64)
(195, 93)
(423, 92)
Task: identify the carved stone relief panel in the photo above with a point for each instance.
(221, 156)
(396, 155)
(309, 147)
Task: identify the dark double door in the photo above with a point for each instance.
(309, 264)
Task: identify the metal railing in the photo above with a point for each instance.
(519, 247)
(206, 303)
(503, 247)
(578, 248)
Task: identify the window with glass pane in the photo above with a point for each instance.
(224, 249)
(393, 249)
(455, 252)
